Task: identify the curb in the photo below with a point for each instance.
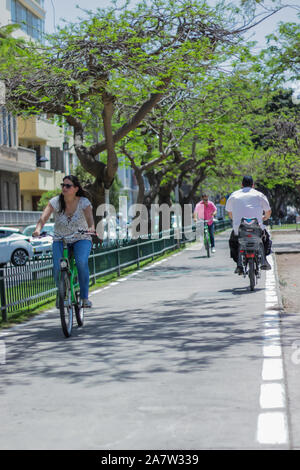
(281, 314)
(279, 296)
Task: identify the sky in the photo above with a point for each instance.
(58, 9)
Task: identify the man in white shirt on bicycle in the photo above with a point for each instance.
(249, 203)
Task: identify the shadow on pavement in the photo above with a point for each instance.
(128, 345)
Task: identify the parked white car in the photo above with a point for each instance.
(14, 247)
(41, 246)
(6, 231)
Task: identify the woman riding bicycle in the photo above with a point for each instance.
(72, 213)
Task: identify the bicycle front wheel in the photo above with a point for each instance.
(79, 311)
(65, 304)
(207, 246)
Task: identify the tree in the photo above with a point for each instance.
(194, 133)
(116, 57)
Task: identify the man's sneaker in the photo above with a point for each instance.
(213, 250)
(86, 303)
(266, 266)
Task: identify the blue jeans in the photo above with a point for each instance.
(211, 229)
(81, 250)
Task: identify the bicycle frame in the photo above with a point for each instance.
(67, 263)
(206, 231)
(206, 238)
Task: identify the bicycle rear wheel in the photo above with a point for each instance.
(251, 272)
(79, 311)
(65, 304)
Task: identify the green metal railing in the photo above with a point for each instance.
(23, 287)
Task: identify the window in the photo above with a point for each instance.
(1, 127)
(6, 195)
(4, 126)
(14, 131)
(15, 194)
(29, 23)
(56, 159)
(8, 128)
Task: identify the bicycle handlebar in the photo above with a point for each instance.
(205, 220)
(48, 234)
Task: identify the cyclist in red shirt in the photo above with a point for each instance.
(206, 210)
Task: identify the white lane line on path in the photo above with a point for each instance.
(272, 428)
(272, 423)
(2, 349)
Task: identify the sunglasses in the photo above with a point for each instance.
(66, 185)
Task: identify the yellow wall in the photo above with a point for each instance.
(26, 128)
(35, 183)
(29, 180)
(40, 180)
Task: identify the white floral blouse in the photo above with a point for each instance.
(66, 225)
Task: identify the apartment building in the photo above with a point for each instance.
(33, 152)
(13, 160)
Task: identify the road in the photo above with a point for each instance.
(179, 355)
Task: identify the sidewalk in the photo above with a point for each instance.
(285, 241)
(286, 244)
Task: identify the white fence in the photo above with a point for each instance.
(19, 218)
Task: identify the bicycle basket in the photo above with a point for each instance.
(250, 234)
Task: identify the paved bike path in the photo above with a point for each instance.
(169, 358)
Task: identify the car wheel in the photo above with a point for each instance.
(19, 257)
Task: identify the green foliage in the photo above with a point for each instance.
(45, 198)
(282, 56)
(10, 48)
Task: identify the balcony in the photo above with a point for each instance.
(41, 180)
(38, 130)
(17, 159)
(35, 6)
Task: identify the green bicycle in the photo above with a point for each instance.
(68, 290)
(206, 238)
(68, 293)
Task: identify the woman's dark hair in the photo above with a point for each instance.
(80, 193)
